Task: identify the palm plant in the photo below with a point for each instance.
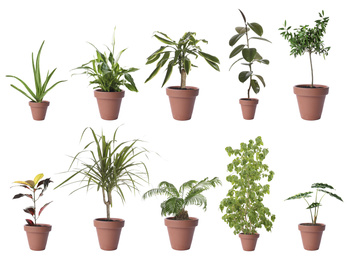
(112, 167)
(189, 193)
(40, 88)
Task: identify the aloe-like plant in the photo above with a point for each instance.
(36, 185)
(178, 54)
(305, 39)
(249, 54)
(189, 193)
(41, 88)
(112, 165)
(107, 72)
(315, 206)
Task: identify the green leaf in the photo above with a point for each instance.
(154, 72)
(300, 195)
(241, 30)
(129, 78)
(153, 58)
(209, 57)
(322, 186)
(259, 38)
(261, 79)
(255, 86)
(314, 205)
(257, 56)
(332, 195)
(237, 50)
(244, 75)
(213, 65)
(256, 28)
(168, 72)
(235, 39)
(264, 61)
(187, 65)
(249, 54)
(164, 40)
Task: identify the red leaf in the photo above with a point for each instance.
(45, 182)
(30, 223)
(17, 196)
(44, 207)
(30, 210)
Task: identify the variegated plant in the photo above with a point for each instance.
(36, 185)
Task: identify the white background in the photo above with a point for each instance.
(301, 152)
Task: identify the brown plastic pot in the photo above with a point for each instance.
(109, 103)
(311, 235)
(248, 106)
(182, 101)
(37, 236)
(248, 241)
(108, 232)
(181, 232)
(311, 100)
(39, 109)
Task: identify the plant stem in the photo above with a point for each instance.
(312, 71)
(34, 207)
(183, 78)
(107, 203)
(250, 66)
(310, 210)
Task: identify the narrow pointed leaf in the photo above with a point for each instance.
(44, 207)
(260, 38)
(168, 72)
(235, 38)
(187, 65)
(38, 178)
(209, 57)
(30, 222)
(332, 195)
(237, 50)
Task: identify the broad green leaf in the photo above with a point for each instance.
(213, 65)
(235, 38)
(237, 50)
(322, 186)
(257, 56)
(164, 40)
(209, 57)
(256, 28)
(260, 78)
(249, 54)
(244, 75)
(314, 205)
(241, 30)
(301, 195)
(255, 86)
(332, 195)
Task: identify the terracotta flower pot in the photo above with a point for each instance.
(108, 232)
(182, 101)
(311, 235)
(311, 100)
(109, 103)
(181, 232)
(248, 241)
(248, 106)
(39, 109)
(37, 236)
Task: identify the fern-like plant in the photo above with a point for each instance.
(189, 193)
(315, 206)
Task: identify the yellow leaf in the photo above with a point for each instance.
(37, 178)
(22, 182)
(31, 183)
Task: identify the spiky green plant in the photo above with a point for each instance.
(111, 167)
(320, 187)
(40, 88)
(189, 193)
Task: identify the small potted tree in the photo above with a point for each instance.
(243, 206)
(311, 233)
(181, 226)
(37, 103)
(109, 77)
(182, 98)
(111, 167)
(37, 234)
(250, 56)
(303, 40)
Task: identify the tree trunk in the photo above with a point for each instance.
(183, 78)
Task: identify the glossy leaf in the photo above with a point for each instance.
(241, 30)
(44, 207)
(30, 222)
(256, 28)
(38, 178)
(237, 50)
(244, 75)
(245, 20)
(30, 210)
(249, 54)
(235, 38)
(209, 57)
(261, 79)
(255, 86)
(164, 40)
(45, 182)
(187, 65)
(213, 65)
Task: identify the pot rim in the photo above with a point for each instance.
(100, 90)
(38, 228)
(187, 223)
(308, 86)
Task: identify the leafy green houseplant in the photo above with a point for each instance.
(37, 104)
(243, 206)
(181, 226)
(108, 78)
(112, 166)
(250, 56)
(37, 234)
(309, 40)
(179, 54)
(312, 232)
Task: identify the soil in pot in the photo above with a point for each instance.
(39, 109)
(108, 232)
(109, 103)
(311, 235)
(248, 106)
(311, 100)
(37, 236)
(248, 241)
(181, 232)
(182, 101)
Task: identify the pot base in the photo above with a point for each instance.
(182, 101)
(311, 235)
(248, 106)
(39, 109)
(37, 236)
(108, 232)
(248, 241)
(181, 232)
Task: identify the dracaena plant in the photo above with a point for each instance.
(41, 88)
(189, 193)
(37, 187)
(305, 39)
(112, 166)
(244, 208)
(179, 54)
(250, 55)
(321, 191)
(107, 73)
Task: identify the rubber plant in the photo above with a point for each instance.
(112, 166)
(243, 207)
(37, 103)
(312, 232)
(250, 56)
(37, 234)
(108, 79)
(179, 54)
(306, 39)
(180, 225)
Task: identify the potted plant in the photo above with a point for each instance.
(244, 208)
(311, 233)
(303, 40)
(182, 98)
(37, 104)
(249, 55)
(181, 226)
(111, 166)
(109, 77)
(37, 234)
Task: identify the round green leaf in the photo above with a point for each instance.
(241, 29)
(244, 75)
(249, 54)
(255, 86)
(256, 28)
